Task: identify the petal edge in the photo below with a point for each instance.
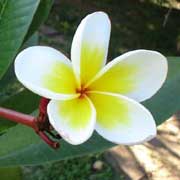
(138, 74)
(122, 120)
(37, 63)
(70, 119)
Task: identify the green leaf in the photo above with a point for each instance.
(21, 146)
(32, 41)
(9, 173)
(38, 18)
(26, 148)
(15, 19)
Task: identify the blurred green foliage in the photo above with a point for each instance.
(76, 169)
(10, 173)
(136, 24)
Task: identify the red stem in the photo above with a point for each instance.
(18, 117)
(43, 105)
(45, 138)
(39, 124)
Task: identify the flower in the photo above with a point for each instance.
(86, 94)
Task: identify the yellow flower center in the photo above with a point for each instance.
(82, 91)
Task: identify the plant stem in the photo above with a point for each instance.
(45, 138)
(40, 124)
(18, 117)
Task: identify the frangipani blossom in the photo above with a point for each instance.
(86, 94)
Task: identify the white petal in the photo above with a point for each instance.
(90, 46)
(46, 72)
(122, 120)
(137, 74)
(74, 119)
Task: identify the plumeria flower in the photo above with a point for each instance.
(86, 94)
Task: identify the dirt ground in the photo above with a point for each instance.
(158, 159)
